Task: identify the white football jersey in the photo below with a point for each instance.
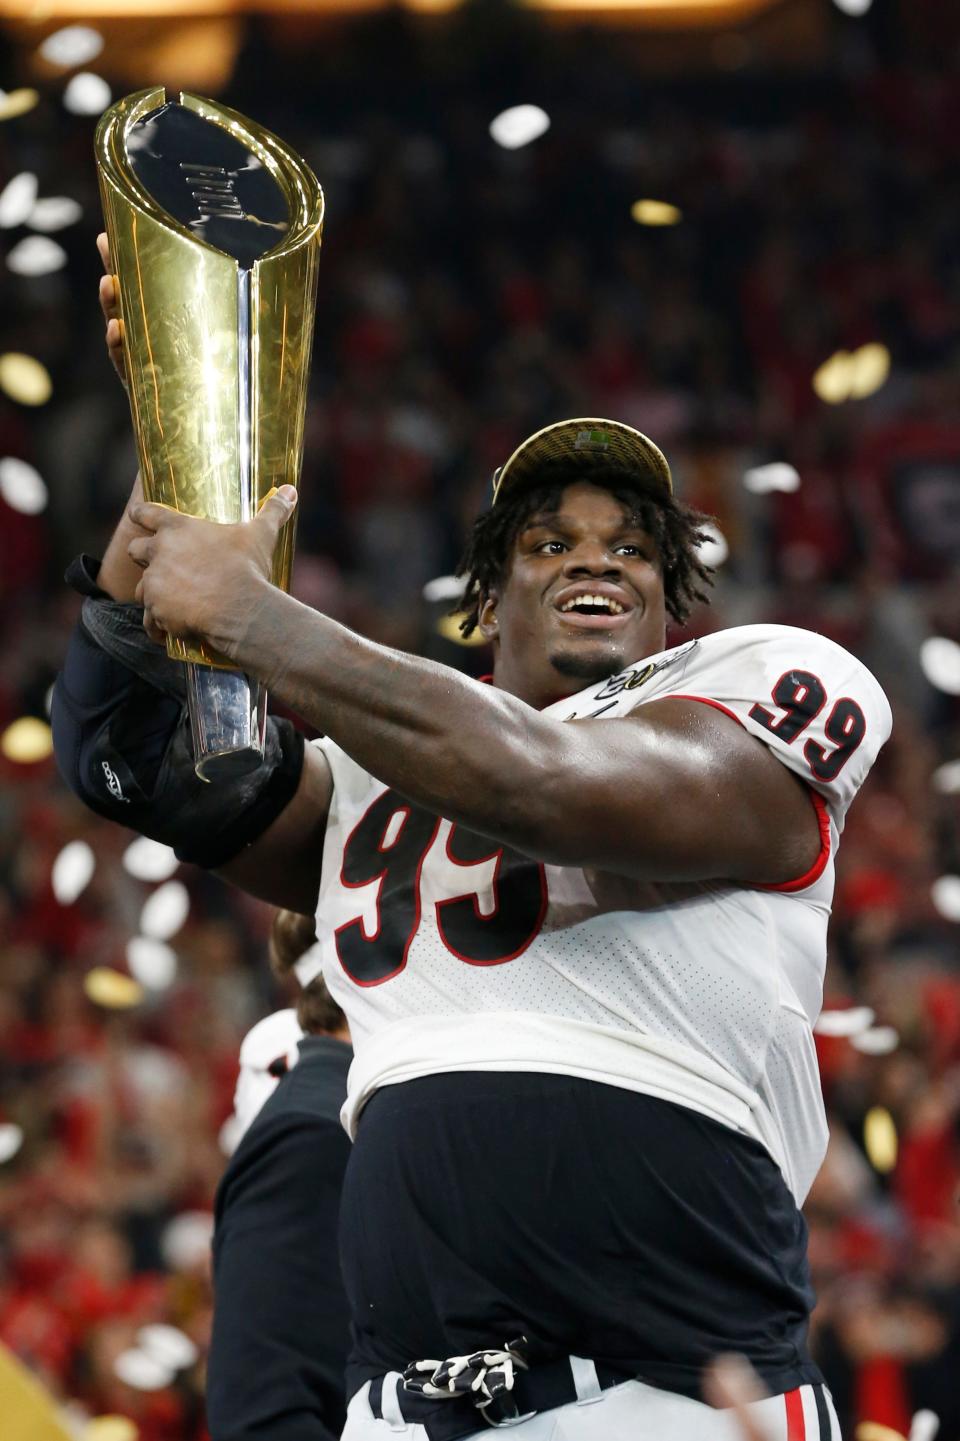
(448, 953)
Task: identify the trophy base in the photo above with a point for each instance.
(228, 716)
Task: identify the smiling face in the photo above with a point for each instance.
(582, 598)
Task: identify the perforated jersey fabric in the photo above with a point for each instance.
(449, 954)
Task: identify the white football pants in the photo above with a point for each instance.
(631, 1411)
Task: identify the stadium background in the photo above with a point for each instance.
(470, 293)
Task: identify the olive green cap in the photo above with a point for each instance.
(587, 439)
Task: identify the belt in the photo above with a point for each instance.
(543, 1388)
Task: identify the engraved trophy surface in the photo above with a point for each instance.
(214, 227)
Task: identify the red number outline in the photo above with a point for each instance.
(472, 895)
(821, 754)
(379, 878)
(763, 717)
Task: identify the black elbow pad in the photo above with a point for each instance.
(121, 737)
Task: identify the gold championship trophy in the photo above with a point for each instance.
(214, 228)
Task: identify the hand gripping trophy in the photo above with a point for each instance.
(214, 227)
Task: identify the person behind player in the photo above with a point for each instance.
(279, 1344)
(576, 920)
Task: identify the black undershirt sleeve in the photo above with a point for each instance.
(122, 741)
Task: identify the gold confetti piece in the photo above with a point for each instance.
(880, 1139)
(869, 368)
(112, 989)
(876, 1431)
(831, 380)
(26, 741)
(655, 212)
(25, 379)
(17, 102)
(449, 627)
(110, 1428)
(852, 375)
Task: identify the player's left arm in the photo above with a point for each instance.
(677, 791)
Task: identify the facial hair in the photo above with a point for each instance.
(587, 668)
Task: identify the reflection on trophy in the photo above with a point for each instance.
(214, 228)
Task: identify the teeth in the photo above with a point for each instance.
(605, 601)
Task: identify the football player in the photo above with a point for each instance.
(278, 1346)
(576, 919)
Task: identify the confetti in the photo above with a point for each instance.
(165, 911)
(519, 125)
(945, 894)
(940, 663)
(21, 486)
(168, 1345)
(87, 94)
(11, 1139)
(880, 1139)
(877, 1041)
(25, 379)
(26, 741)
(714, 550)
(72, 871)
(149, 860)
(778, 475)
(655, 212)
(142, 1371)
(112, 989)
(152, 963)
(847, 1022)
(36, 255)
(17, 200)
(73, 45)
(17, 102)
(55, 212)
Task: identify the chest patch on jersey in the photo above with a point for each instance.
(637, 676)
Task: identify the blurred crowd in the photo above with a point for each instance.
(468, 295)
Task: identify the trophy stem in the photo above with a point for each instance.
(228, 715)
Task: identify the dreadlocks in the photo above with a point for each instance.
(674, 527)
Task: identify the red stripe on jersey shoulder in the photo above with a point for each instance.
(819, 806)
(796, 1426)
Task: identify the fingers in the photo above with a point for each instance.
(154, 631)
(110, 307)
(107, 293)
(730, 1383)
(103, 246)
(139, 551)
(276, 510)
(152, 517)
(115, 348)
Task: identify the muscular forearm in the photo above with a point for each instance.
(629, 797)
(411, 722)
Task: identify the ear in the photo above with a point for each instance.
(487, 622)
